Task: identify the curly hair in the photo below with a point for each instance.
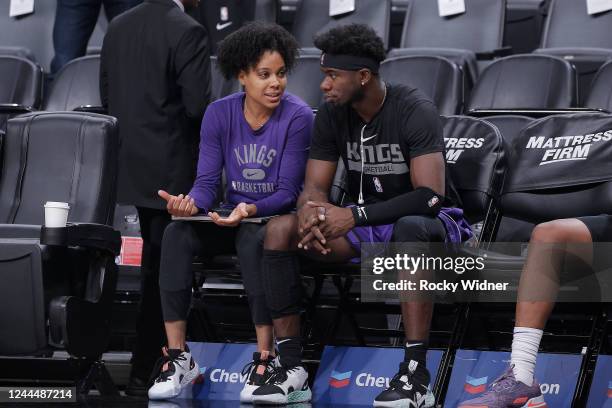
(242, 50)
(359, 40)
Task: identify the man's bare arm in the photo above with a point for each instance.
(428, 171)
(317, 184)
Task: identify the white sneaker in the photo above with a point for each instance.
(259, 371)
(285, 386)
(177, 369)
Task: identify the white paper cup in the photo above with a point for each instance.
(56, 214)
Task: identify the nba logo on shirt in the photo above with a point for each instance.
(378, 185)
(224, 13)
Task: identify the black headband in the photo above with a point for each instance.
(349, 62)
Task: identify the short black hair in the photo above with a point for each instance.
(242, 50)
(359, 40)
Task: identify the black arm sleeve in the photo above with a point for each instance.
(422, 201)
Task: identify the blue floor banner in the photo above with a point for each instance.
(600, 395)
(474, 371)
(221, 376)
(356, 375)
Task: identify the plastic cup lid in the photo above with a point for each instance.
(56, 204)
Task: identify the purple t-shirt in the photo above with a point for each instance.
(264, 167)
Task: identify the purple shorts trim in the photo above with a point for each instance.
(377, 233)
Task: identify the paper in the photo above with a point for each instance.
(451, 7)
(598, 6)
(21, 7)
(205, 218)
(339, 7)
(131, 251)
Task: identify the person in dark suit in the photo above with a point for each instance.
(155, 78)
(75, 20)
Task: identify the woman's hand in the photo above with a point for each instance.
(179, 206)
(241, 211)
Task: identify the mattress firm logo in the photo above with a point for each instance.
(566, 148)
(456, 146)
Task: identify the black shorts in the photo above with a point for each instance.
(600, 227)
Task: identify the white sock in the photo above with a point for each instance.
(525, 345)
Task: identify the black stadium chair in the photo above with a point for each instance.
(221, 87)
(437, 77)
(524, 24)
(582, 39)
(305, 79)
(35, 31)
(476, 169)
(20, 88)
(542, 184)
(525, 82)
(266, 10)
(58, 283)
(22, 52)
(538, 193)
(312, 17)
(478, 33)
(509, 125)
(600, 96)
(76, 86)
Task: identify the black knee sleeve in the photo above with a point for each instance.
(282, 283)
(259, 310)
(249, 246)
(419, 231)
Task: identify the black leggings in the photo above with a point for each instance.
(418, 228)
(182, 240)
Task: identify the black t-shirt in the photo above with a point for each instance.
(407, 126)
(222, 17)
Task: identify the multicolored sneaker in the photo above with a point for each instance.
(287, 385)
(407, 390)
(507, 392)
(259, 371)
(174, 370)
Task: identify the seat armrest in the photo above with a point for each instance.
(96, 236)
(14, 108)
(497, 53)
(92, 109)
